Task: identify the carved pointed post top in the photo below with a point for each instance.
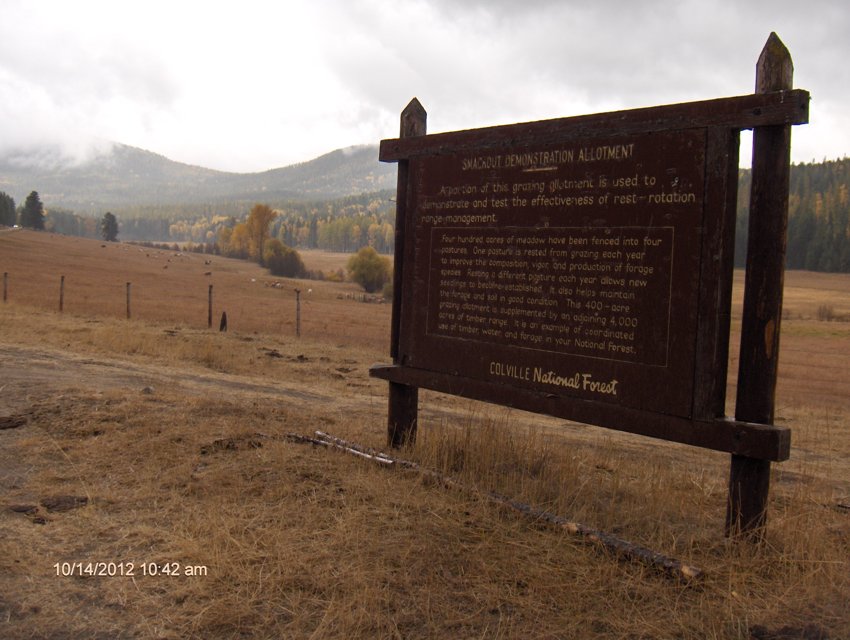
(774, 69)
(413, 120)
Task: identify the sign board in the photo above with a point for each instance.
(582, 268)
(579, 267)
(570, 270)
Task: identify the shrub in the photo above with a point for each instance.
(826, 313)
(368, 269)
(282, 260)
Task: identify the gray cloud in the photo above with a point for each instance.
(255, 83)
(59, 86)
(484, 62)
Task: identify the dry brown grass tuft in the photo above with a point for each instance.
(174, 435)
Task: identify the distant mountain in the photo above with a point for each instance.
(132, 177)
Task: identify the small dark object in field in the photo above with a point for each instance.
(12, 422)
(64, 503)
(223, 324)
(237, 443)
(28, 509)
(809, 632)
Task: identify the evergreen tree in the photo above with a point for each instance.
(109, 227)
(818, 217)
(32, 215)
(313, 237)
(7, 210)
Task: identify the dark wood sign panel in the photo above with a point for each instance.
(570, 270)
(578, 267)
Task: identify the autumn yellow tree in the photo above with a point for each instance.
(258, 222)
(240, 242)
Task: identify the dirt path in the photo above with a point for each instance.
(35, 376)
(31, 373)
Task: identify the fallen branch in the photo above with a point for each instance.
(612, 544)
(328, 443)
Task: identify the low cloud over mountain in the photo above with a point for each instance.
(114, 176)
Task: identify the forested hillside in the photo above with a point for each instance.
(818, 223)
(818, 220)
(818, 217)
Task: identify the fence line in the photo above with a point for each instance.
(128, 299)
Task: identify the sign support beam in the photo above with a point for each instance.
(403, 399)
(749, 479)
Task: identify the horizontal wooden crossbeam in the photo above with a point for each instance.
(741, 112)
(766, 442)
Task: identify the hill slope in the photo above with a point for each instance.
(128, 176)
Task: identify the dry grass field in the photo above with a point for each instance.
(158, 447)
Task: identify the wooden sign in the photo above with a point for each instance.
(579, 267)
(553, 269)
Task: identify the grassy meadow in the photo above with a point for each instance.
(159, 443)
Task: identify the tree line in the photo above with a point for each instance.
(253, 240)
(818, 217)
(31, 215)
(818, 222)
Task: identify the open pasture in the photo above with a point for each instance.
(173, 286)
(160, 443)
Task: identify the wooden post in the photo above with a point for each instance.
(5, 286)
(402, 415)
(209, 308)
(61, 293)
(403, 399)
(749, 478)
(128, 301)
(298, 313)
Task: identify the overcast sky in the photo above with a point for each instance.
(245, 85)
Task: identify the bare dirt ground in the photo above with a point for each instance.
(36, 377)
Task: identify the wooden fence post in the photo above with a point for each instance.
(298, 313)
(403, 399)
(128, 301)
(749, 478)
(5, 286)
(209, 308)
(61, 293)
